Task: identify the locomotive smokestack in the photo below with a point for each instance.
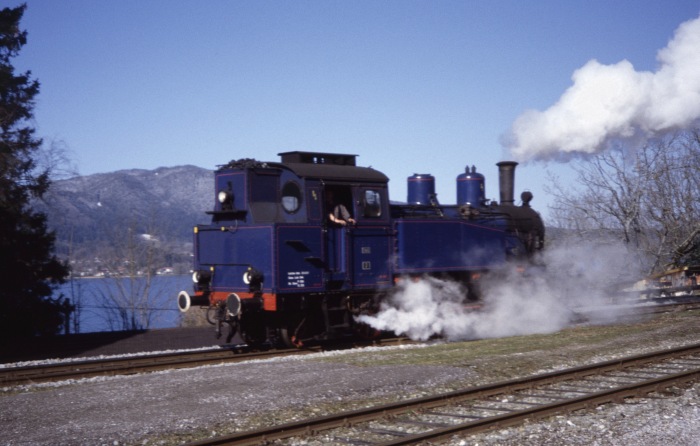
(506, 181)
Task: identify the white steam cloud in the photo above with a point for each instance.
(614, 102)
(544, 302)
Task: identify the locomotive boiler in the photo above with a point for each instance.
(297, 249)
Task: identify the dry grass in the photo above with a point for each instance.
(506, 358)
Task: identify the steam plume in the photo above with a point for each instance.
(515, 305)
(614, 102)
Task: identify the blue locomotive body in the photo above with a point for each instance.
(282, 265)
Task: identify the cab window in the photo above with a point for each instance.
(372, 203)
(291, 197)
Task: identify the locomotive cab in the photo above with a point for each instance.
(271, 260)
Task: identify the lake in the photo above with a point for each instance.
(111, 304)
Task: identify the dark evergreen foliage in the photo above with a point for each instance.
(28, 267)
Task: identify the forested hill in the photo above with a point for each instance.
(96, 216)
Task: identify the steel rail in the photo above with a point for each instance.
(388, 411)
(11, 376)
(546, 410)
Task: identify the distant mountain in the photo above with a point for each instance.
(162, 204)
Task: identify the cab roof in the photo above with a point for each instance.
(329, 166)
(317, 165)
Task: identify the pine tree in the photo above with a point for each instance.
(28, 268)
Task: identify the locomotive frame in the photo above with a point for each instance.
(272, 265)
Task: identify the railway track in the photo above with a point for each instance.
(12, 376)
(669, 307)
(472, 410)
(635, 309)
(128, 365)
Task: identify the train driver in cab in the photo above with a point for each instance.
(339, 213)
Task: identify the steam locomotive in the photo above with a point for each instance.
(297, 249)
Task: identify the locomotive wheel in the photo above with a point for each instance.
(254, 338)
(288, 340)
(366, 332)
(253, 329)
(290, 334)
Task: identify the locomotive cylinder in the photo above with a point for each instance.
(470, 188)
(506, 181)
(421, 189)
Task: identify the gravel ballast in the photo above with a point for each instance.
(176, 406)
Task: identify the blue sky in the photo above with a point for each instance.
(409, 86)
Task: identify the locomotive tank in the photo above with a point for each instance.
(421, 189)
(471, 188)
(297, 249)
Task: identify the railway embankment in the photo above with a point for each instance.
(181, 405)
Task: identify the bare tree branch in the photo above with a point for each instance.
(649, 197)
